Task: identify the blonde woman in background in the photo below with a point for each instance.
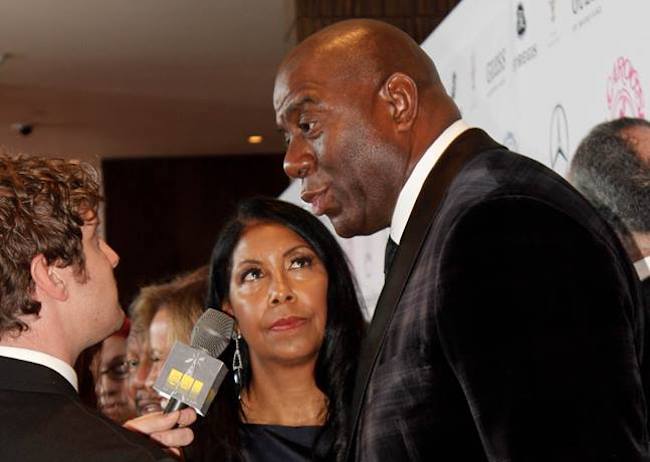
(161, 314)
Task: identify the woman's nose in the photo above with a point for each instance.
(281, 292)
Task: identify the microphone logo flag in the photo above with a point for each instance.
(191, 376)
(176, 379)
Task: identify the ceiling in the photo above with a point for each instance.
(116, 78)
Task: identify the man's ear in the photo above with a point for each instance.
(47, 279)
(401, 93)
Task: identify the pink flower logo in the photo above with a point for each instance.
(624, 92)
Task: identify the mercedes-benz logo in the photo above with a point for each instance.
(559, 140)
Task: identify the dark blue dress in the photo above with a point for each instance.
(277, 443)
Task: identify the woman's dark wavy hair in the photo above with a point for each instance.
(217, 435)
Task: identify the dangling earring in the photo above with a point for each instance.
(236, 363)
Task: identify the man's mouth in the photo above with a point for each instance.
(316, 198)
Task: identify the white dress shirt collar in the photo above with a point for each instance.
(37, 357)
(411, 189)
(642, 268)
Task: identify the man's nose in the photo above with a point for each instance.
(111, 254)
(299, 160)
(140, 375)
(151, 377)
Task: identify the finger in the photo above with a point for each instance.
(187, 417)
(154, 422)
(175, 438)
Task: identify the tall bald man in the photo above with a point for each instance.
(507, 327)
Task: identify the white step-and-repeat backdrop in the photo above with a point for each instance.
(536, 75)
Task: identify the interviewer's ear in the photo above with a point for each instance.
(401, 93)
(47, 279)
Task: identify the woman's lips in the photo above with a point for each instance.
(288, 323)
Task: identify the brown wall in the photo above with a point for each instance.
(162, 214)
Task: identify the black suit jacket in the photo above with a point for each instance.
(645, 370)
(645, 288)
(509, 327)
(42, 419)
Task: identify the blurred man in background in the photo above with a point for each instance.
(611, 168)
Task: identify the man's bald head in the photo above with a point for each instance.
(364, 49)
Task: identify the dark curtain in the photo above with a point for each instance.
(162, 214)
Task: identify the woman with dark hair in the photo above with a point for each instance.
(283, 277)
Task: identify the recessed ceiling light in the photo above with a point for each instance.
(255, 139)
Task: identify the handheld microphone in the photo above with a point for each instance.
(192, 375)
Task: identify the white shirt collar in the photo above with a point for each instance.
(411, 189)
(642, 268)
(37, 357)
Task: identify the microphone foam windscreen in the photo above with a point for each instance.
(212, 332)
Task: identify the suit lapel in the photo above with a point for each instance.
(462, 150)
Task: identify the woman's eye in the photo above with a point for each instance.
(301, 262)
(251, 275)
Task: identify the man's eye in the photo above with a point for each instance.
(301, 262)
(120, 370)
(306, 127)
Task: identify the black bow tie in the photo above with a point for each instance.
(391, 250)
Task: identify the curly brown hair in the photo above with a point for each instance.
(43, 205)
